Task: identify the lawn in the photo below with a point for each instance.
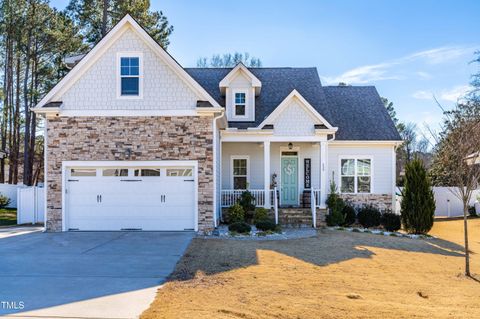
(334, 275)
(8, 216)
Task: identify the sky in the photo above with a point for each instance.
(412, 51)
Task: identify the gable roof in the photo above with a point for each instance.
(303, 103)
(105, 43)
(240, 67)
(357, 111)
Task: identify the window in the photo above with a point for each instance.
(147, 172)
(130, 76)
(83, 172)
(355, 175)
(179, 172)
(240, 105)
(109, 172)
(240, 173)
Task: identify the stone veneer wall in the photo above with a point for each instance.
(381, 201)
(149, 138)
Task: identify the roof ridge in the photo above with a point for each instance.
(253, 68)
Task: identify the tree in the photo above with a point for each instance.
(96, 17)
(418, 203)
(390, 109)
(229, 60)
(460, 140)
(34, 38)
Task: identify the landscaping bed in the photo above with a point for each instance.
(256, 234)
(8, 216)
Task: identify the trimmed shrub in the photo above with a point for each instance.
(391, 221)
(247, 201)
(369, 216)
(4, 201)
(266, 225)
(260, 214)
(335, 205)
(236, 214)
(240, 227)
(349, 214)
(418, 203)
(472, 212)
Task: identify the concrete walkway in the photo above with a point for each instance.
(84, 274)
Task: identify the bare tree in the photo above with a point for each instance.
(456, 155)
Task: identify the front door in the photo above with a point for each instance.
(289, 188)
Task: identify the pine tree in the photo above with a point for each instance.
(96, 17)
(418, 203)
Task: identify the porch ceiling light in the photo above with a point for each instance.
(290, 146)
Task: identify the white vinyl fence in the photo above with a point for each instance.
(30, 205)
(10, 191)
(447, 203)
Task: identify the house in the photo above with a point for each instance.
(135, 141)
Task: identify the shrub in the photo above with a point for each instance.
(235, 214)
(335, 207)
(4, 201)
(369, 216)
(240, 227)
(391, 221)
(350, 215)
(472, 212)
(418, 203)
(266, 225)
(260, 214)
(247, 201)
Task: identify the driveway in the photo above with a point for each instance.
(84, 274)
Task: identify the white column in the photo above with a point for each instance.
(266, 172)
(323, 173)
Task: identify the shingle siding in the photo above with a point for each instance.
(97, 87)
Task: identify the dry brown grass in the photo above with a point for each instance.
(335, 275)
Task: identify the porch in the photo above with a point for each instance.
(294, 171)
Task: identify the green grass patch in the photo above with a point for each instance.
(8, 216)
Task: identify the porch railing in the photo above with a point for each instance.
(231, 196)
(315, 192)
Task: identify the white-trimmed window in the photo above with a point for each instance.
(240, 171)
(356, 175)
(240, 104)
(129, 75)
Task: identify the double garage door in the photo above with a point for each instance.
(130, 197)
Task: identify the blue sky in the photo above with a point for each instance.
(410, 50)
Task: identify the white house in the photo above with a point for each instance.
(135, 141)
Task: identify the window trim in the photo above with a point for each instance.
(355, 187)
(129, 54)
(234, 116)
(237, 157)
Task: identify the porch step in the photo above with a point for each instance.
(300, 217)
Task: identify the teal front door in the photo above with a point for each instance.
(289, 186)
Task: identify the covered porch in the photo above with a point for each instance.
(280, 172)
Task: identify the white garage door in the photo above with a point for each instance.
(130, 198)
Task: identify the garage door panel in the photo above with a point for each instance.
(116, 203)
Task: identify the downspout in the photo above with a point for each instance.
(215, 173)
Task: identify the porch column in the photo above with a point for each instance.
(323, 173)
(266, 172)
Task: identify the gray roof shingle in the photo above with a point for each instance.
(357, 111)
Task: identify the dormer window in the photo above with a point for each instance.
(129, 75)
(240, 106)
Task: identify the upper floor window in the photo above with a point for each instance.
(355, 175)
(240, 105)
(129, 75)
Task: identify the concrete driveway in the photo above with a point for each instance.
(84, 274)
